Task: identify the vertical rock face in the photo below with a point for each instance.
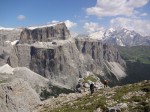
(20, 56)
(92, 47)
(64, 60)
(111, 54)
(56, 62)
(44, 34)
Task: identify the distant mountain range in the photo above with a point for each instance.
(121, 37)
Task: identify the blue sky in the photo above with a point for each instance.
(81, 16)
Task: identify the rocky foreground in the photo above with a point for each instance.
(128, 98)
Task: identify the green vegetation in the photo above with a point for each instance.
(55, 92)
(91, 78)
(85, 104)
(45, 94)
(100, 99)
(3, 81)
(135, 53)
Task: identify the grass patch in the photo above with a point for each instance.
(3, 81)
(87, 103)
(91, 78)
(99, 99)
(124, 90)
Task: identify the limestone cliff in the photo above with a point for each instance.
(64, 60)
(44, 34)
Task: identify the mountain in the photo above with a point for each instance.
(47, 61)
(121, 37)
(51, 52)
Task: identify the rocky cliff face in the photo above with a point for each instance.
(90, 47)
(7, 36)
(64, 60)
(67, 61)
(44, 34)
(107, 62)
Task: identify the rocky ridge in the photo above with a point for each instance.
(121, 37)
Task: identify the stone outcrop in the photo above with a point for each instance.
(7, 39)
(45, 34)
(7, 36)
(21, 89)
(36, 82)
(17, 96)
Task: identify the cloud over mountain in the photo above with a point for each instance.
(138, 25)
(70, 24)
(92, 27)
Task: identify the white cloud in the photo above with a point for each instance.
(55, 21)
(138, 25)
(115, 7)
(70, 24)
(21, 17)
(144, 14)
(92, 27)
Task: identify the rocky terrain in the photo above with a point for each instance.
(46, 61)
(128, 98)
(52, 53)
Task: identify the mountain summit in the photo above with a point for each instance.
(121, 37)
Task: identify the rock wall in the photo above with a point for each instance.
(68, 60)
(44, 34)
(91, 47)
(111, 54)
(64, 60)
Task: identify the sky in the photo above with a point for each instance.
(80, 16)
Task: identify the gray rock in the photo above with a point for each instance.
(9, 35)
(118, 107)
(86, 85)
(44, 34)
(98, 110)
(17, 96)
(64, 62)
